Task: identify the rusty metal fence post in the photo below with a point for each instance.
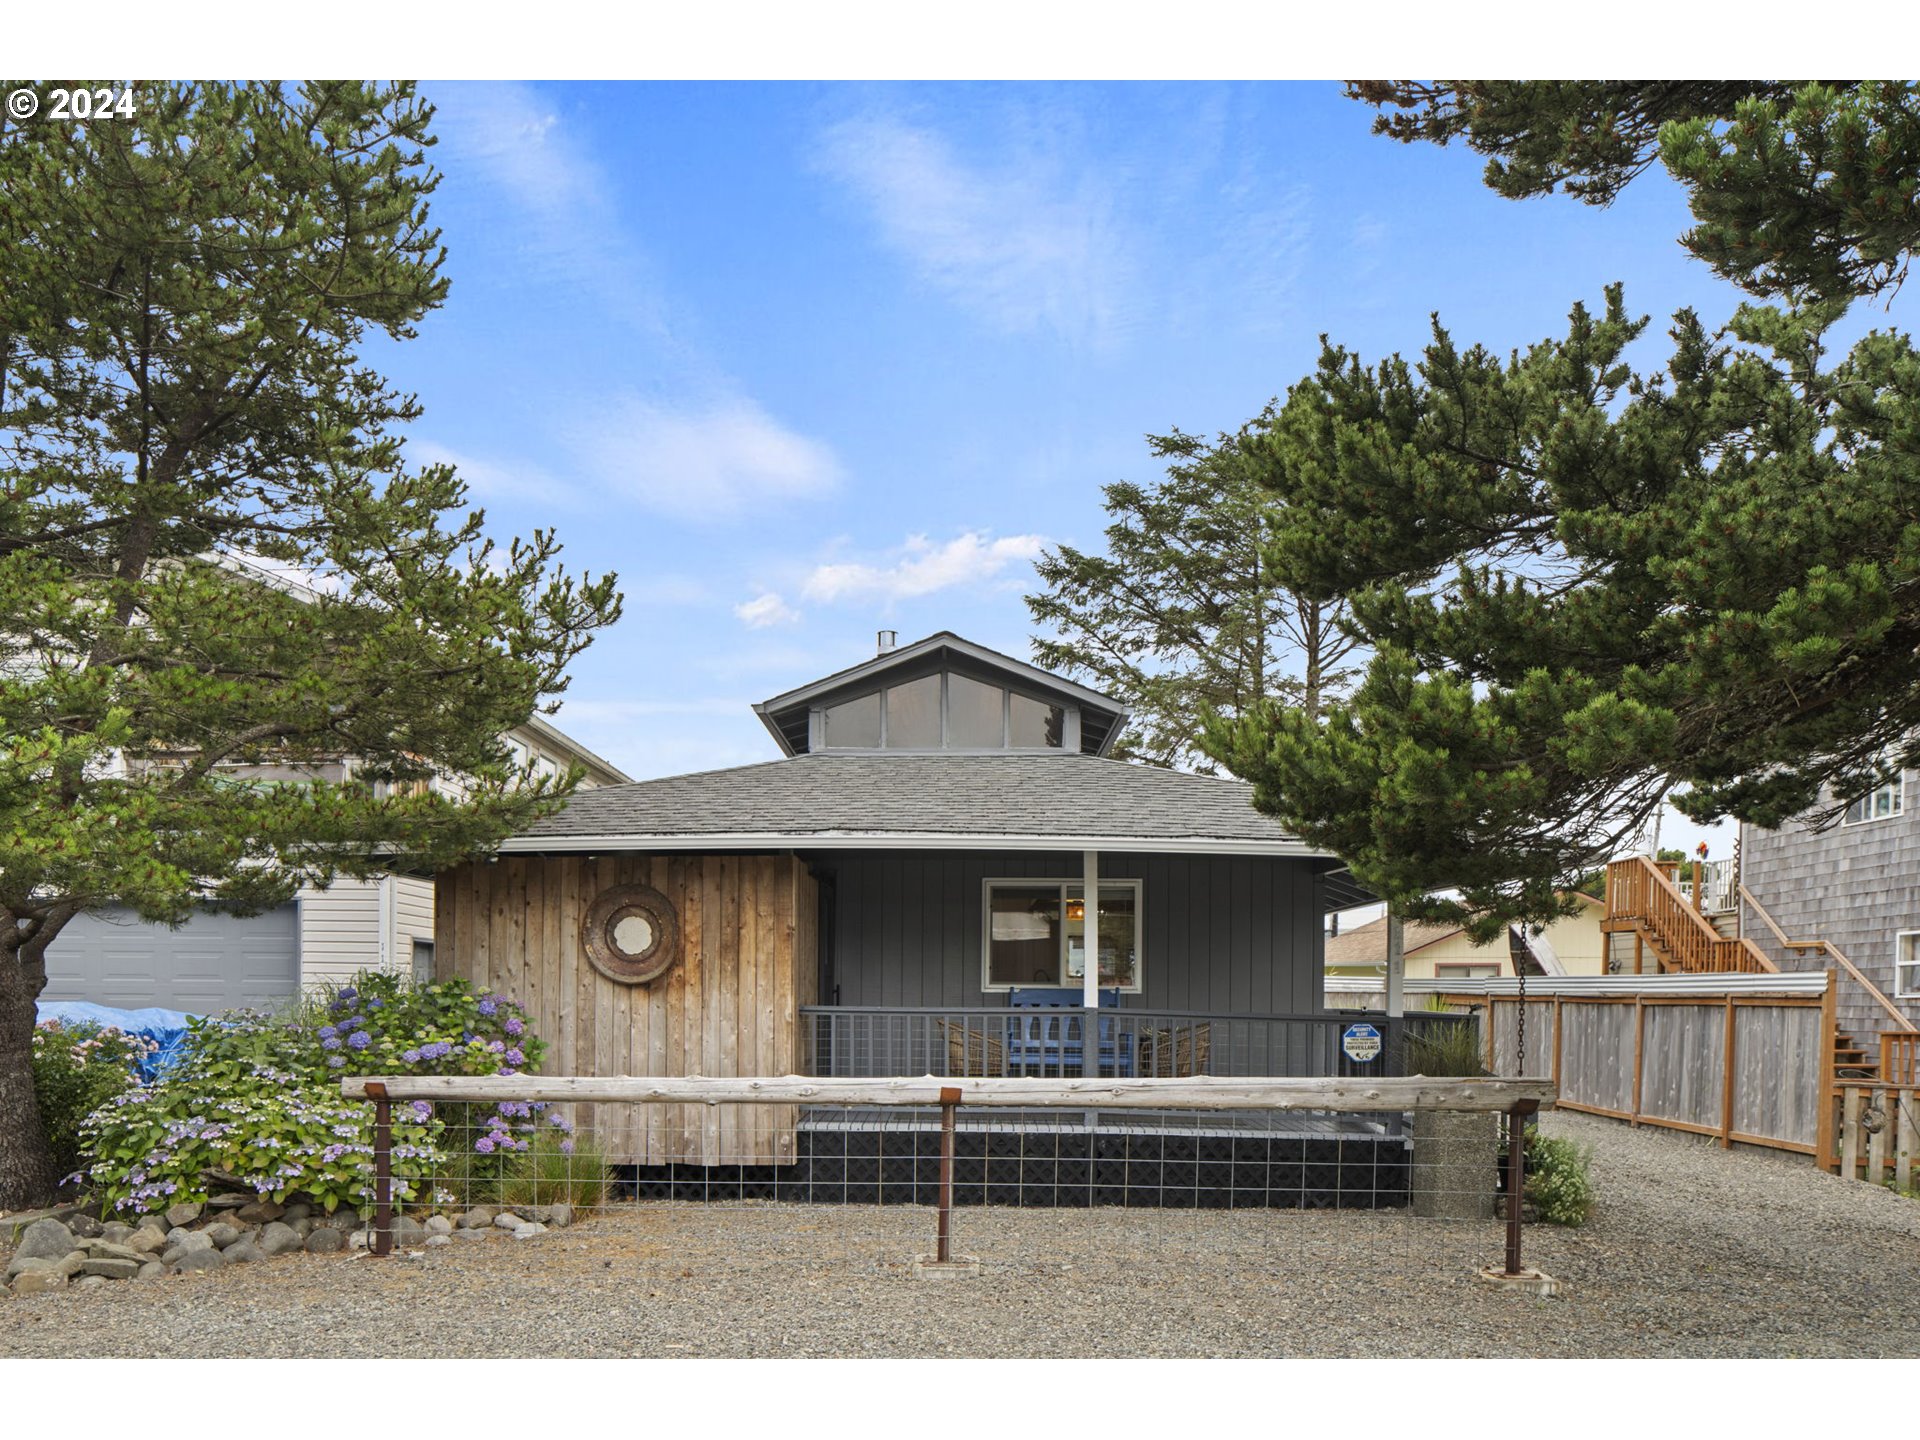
(382, 1168)
(949, 1100)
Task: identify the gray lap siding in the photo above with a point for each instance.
(1224, 934)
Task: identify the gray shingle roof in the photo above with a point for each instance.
(833, 797)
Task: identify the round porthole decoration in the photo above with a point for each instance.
(631, 934)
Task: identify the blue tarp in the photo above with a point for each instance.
(167, 1028)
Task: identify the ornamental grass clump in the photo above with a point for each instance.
(255, 1100)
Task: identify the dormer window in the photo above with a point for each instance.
(944, 693)
(943, 711)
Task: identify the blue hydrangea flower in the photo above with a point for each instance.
(332, 1042)
(349, 993)
(327, 1032)
(359, 1040)
(488, 1005)
(412, 1057)
(515, 1025)
(335, 1062)
(375, 1004)
(514, 1057)
(484, 1144)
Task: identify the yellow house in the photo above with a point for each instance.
(1572, 945)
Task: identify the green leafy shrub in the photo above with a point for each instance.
(1559, 1182)
(257, 1097)
(77, 1069)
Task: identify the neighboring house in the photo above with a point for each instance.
(217, 962)
(921, 884)
(1572, 945)
(1855, 886)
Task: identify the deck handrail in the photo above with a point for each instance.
(1644, 891)
(1839, 956)
(1109, 1012)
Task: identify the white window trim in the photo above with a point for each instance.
(1495, 965)
(1899, 787)
(1106, 883)
(1902, 992)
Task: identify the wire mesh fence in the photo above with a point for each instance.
(872, 1179)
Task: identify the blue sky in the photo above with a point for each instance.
(801, 361)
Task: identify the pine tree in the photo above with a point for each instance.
(1183, 617)
(183, 413)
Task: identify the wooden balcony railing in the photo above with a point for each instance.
(1643, 894)
(1841, 963)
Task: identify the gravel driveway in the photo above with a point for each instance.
(1693, 1251)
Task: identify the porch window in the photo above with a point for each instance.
(946, 711)
(1906, 965)
(1880, 803)
(1035, 934)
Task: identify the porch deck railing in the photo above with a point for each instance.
(850, 1041)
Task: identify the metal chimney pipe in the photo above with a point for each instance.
(887, 640)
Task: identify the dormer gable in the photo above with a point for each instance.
(944, 693)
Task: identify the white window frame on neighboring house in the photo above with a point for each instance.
(1869, 807)
(1463, 969)
(1906, 965)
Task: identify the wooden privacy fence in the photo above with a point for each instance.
(1739, 1057)
(1879, 1127)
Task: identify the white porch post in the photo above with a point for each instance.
(1090, 977)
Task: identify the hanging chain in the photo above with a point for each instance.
(1520, 1045)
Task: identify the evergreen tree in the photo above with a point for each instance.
(183, 412)
(1805, 189)
(1183, 617)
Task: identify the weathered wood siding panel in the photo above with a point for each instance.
(730, 1006)
(1683, 1063)
(1855, 885)
(1776, 1066)
(1593, 1038)
(1222, 934)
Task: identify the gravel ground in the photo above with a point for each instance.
(1692, 1251)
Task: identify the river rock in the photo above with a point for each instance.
(243, 1251)
(439, 1225)
(529, 1230)
(196, 1240)
(345, 1218)
(325, 1240)
(478, 1218)
(38, 1282)
(258, 1212)
(439, 1239)
(90, 1282)
(85, 1226)
(117, 1231)
(229, 1202)
(222, 1234)
(507, 1220)
(152, 1270)
(302, 1227)
(407, 1231)
(278, 1239)
(147, 1240)
(19, 1266)
(185, 1213)
(560, 1216)
(113, 1269)
(207, 1259)
(44, 1240)
(297, 1210)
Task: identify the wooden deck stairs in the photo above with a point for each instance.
(1644, 901)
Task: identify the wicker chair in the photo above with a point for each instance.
(1182, 1050)
(973, 1051)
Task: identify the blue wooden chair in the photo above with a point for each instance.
(1047, 1040)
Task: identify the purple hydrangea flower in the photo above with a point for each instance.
(514, 1057)
(484, 1144)
(359, 1040)
(335, 1062)
(497, 1046)
(349, 993)
(515, 1025)
(327, 1032)
(422, 1110)
(332, 1042)
(375, 1004)
(488, 1005)
(566, 1146)
(412, 1057)
(560, 1121)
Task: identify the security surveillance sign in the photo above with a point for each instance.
(1361, 1043)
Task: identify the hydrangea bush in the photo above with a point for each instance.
(76, 1069)
(258, 1098)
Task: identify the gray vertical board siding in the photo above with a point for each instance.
(1220, 934)
(1683, 1063)
(1596, 1055)
(1776, 1062)
(1855, 885)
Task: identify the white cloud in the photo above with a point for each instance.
(491, 479)
(921, 567)
(766, 610)
(713, 460)
(1025, 244)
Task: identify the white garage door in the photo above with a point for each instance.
(212, 963)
